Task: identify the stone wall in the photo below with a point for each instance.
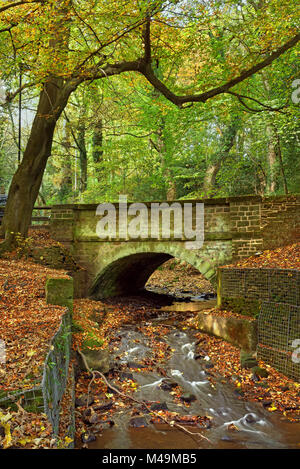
(234, 228)
(238, 331)
(280, 221)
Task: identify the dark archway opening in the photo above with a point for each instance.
(150, 273)
(127, 275)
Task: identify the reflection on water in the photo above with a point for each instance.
(234, 423)
(194, 306)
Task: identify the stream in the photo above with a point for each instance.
(231, 422)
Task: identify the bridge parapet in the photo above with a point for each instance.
(252, 222)
(234, 228)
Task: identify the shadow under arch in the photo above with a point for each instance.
(127, 270)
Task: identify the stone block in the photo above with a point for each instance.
(59, 291)
(239, 332)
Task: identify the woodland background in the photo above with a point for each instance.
(122, 136)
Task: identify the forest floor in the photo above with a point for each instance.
(287, 257)
(28, 324)
(176, 277)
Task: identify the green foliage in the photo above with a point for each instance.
(23, 245)
(76, 327)
(120, 135)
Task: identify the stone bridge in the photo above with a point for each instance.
(234, 228)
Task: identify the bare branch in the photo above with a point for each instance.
(128, 133)
(108, 43)
(11, 96)
(87, 25)
(265, 107)
(8, 29)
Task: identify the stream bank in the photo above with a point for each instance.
(159, 358)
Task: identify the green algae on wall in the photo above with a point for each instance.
(238, 331)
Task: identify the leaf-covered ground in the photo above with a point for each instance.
(21, 429)
(27, 322)
(287, 257)
(179, 277)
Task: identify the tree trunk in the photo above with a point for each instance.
(171, 191)
(26, 182)
(98, 146)
(65, 191)
(279, 154)
(271, 156)
(82, 157)
(227, 142)
(210, 177)
(170, 181)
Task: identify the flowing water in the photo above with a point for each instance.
(254, 426)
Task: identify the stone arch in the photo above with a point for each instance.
(126, 268)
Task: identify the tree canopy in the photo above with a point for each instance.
(155, 98)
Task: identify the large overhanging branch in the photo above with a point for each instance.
(146, 69)
(144, 66)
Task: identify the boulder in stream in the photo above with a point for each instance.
(167, 384)
(84, 400)
(138, 422)
(104, 407)
(123, 376)
(135, 365)
(97, 360)
(209, 365)
(250, 418)
(88, 437)
(188, 398)
(159, 406)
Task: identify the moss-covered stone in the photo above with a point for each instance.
(31, 400)
(36, 405)
(96, 360)
(243, 306)
(261, 372)
(59, 291)
(240, 332)
(91, 341)
(76, 327)
(247, 360)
